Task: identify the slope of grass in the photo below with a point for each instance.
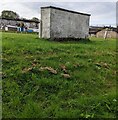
(58, 80)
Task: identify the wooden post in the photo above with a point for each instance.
(105, 34)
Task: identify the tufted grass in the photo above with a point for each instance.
(29, 92)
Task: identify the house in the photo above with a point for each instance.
(94, 29)
(10, 28)
(59, 23)
(9, 24)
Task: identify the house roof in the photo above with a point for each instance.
(65, 10)
(23, 20)
(95, 29)
(11, 26)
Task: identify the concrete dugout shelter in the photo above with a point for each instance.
(61, 23)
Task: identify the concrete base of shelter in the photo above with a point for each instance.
(68, 39)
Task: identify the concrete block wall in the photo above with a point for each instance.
(61, 23)
(45, 23)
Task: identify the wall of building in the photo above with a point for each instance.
(58, 23)
(4, 22)
(45, 23)
(68, 25)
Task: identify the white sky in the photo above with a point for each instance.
(102, 13)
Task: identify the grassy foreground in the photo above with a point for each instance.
(58, 80)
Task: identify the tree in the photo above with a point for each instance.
(9, 14)
(35, 19)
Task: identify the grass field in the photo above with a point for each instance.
(47, 79)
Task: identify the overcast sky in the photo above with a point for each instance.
(102, 13)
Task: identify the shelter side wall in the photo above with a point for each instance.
(45, 23)
(68, 25)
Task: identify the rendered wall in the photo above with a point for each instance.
(45, 23)
(58, 23)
